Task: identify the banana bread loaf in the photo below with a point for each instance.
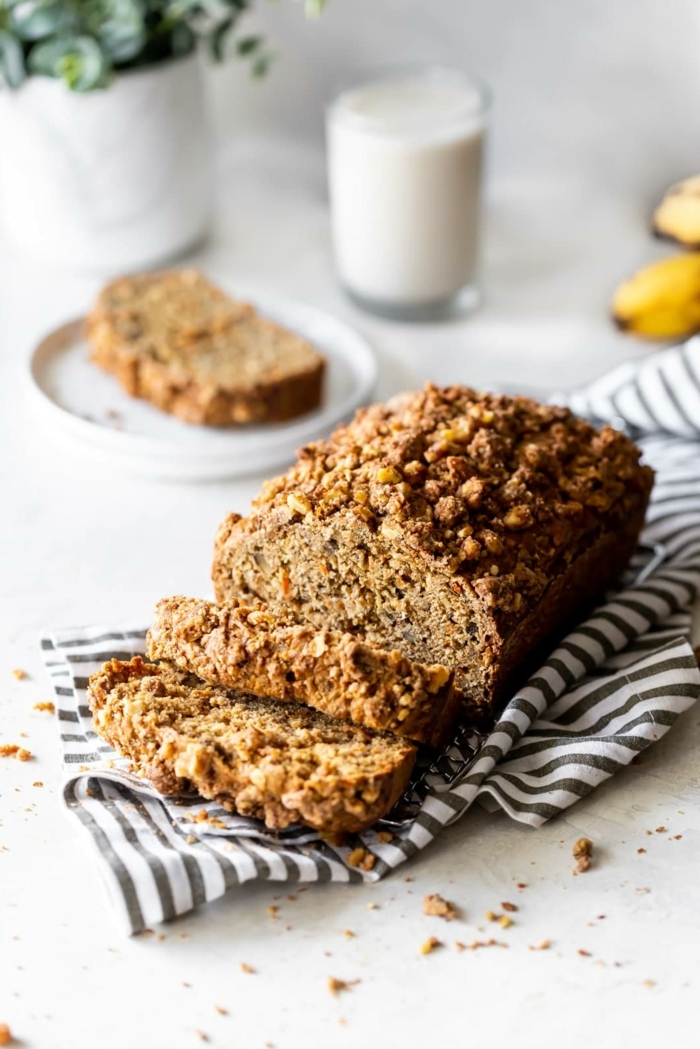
(458, 527)
(177, 341)
(248, 646)
(280, 762)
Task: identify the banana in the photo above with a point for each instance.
(677, 217)
(661, 301)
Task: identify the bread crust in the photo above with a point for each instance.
(459, 527)
(247, 646)
(176, 340)
(279, 762)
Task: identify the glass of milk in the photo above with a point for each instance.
(405, 151)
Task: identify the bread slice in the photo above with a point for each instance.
(179, 342)
(248, 646)
(460, 528)
(280, 762)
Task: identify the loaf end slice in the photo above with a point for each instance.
(248, 646)
(178, 341)
(279, 762)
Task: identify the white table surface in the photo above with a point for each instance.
(79, 546)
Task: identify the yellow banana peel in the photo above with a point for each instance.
(661, 301)
(677, 217)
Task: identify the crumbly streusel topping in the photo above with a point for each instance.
(490, 488)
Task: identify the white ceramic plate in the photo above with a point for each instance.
(89, 407)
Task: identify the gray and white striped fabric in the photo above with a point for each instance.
(611, 688)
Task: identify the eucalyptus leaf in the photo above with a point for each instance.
(77, 60)
(261, 65)
(175, 10)
(217, 39)
(182, 39)
(11, 59)
(36, 19)
(121, 30)
(247, 44)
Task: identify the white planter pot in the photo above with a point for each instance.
(112, 180)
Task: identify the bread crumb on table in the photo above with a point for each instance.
(335, 986)
(435, 904)
(509, 906)
(476, 944)
(583, 853)
(245, 968)
(37, 783)
(505, 921)
(11, 750)
(5, 1035)
(220, 1010)
(46, 705)
(19, 675)
(431, 944)
(543, 946)
(661, 830)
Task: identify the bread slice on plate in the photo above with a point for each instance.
(280, 762)
(248, 646)
(176, 340)
(460, 528)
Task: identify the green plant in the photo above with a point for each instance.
(83, 42)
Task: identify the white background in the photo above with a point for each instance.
(596, 112)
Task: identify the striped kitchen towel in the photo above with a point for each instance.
(613, 686)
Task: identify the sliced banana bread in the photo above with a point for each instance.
(250, 647)
(179, 342)
(280, 762)
(458, 527)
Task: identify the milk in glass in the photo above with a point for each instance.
(405, 171)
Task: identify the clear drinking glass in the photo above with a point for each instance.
(405, 160)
